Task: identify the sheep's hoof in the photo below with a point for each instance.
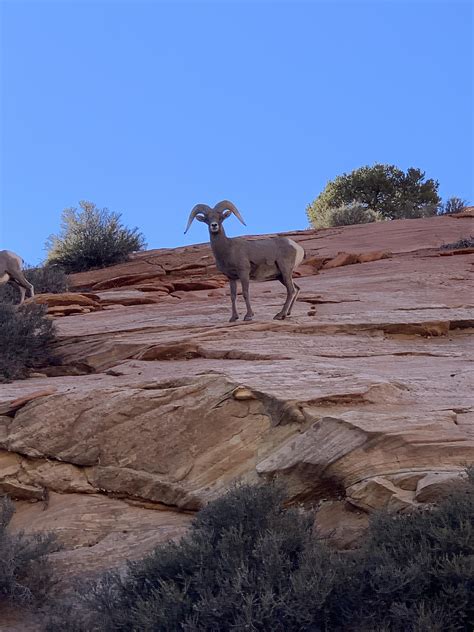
(279, 316)
(232, 319)
(248, 317)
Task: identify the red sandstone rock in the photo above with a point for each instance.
(188, 286)
(124, 280)
(456, 251)
(342, 259)
(369, 396)
(65, 299)
(8, 407)
(366, 257)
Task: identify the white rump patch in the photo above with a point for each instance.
(299, 252)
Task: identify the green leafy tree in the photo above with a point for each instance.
(92, 238)
(385, 189)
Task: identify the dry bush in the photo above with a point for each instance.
(467, 242)
(26, 337)
(452, 205)
(249, 563)
(25, 573)
(45, 279)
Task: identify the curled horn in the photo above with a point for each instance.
(226, 205)
(199, 208)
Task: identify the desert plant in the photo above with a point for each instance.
(351, 214)
(385, 189)
(45, 279)
(416, 570)
(466, 242)
(452, 205)
(25, 574)
(249, 563)
(92, 238)
(26, 335)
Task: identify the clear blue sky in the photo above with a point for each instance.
(150, 107)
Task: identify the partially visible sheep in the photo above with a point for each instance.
(11, 271)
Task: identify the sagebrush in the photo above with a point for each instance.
(26, 338)
(347, 215)
(249, 563)
(25, 573)
(246, 564)
(452, 205)
(45, 279)
(416, 570)
(92, 238)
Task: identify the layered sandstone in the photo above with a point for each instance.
(363, 399)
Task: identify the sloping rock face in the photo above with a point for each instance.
(363, 399)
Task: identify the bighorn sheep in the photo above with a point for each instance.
(240, 258)
(11, 270)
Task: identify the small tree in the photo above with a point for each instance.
(385, 189)
(92, 238)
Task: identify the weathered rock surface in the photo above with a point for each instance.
(363, 399)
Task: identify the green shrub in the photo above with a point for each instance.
(248, 563)
(25, 574)
(26, 335)
(416, 570)
(350, 214)
(92, 238)
(45, 279)
(452, 205)
(385, 189)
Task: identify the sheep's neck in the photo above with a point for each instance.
(220, 244)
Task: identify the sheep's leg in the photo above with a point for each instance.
(291, 292)
(295, 296)
(233, 297)
(245, 291)
(22, 293)
(23, 284)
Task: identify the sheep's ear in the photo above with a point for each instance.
(226, 214)
(201, 218)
